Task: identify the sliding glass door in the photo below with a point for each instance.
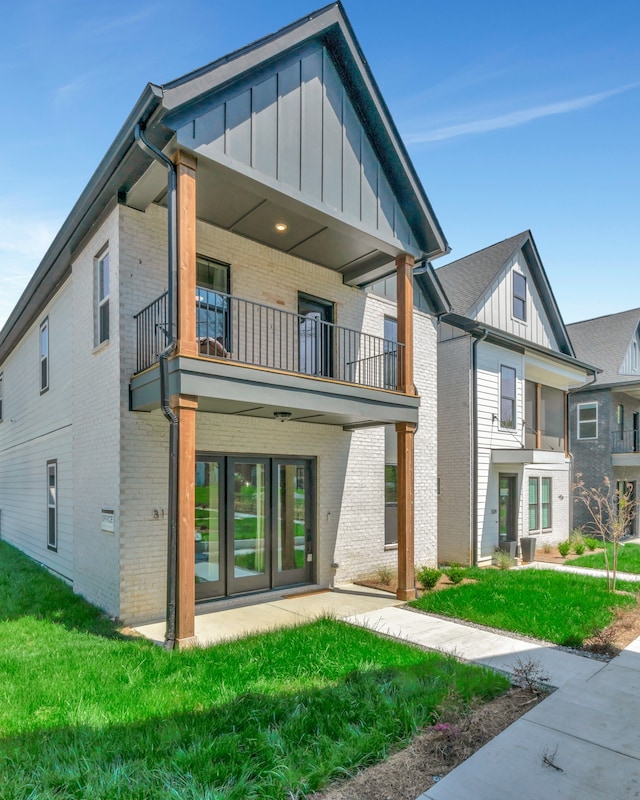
(254, 523)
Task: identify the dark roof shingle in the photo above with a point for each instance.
(604, 341)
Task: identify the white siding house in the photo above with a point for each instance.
(505, 365)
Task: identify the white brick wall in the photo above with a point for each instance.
(96, 424)
(350, 465)
(36, 428)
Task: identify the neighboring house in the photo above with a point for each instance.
(505, 364)
(230, 409)
(605, 415)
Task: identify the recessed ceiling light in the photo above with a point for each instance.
(281, 227)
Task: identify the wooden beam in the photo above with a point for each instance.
(185, 406)
(405, 432)
(186, 242)
(406, 554)
(404, 272)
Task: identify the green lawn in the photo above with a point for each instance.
(628, 559)
(88, 713)
(558, 607)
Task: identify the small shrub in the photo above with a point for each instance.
(385, 575)
(528, 673)
(502, 559)
(456, 573)
(579, 548)
(592, 544)
(564, 548)
(428, 576)
(546, 548)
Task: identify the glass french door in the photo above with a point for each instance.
(254, 524)
(508, 508)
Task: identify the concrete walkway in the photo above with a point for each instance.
(592, 573)
(588, 728)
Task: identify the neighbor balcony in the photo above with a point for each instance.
(257, 359)
(625, 448)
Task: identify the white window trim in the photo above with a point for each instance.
(44, 358)
(513, 427)
(586, 405)
(538, 479)
(52, 503)
(521, 321)
(101, 302)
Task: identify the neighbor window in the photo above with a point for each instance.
(44, 355)
(1, 394)
(390, 353)
(519, 296)
(102, 298)
(620, 420)
(539, 504)
(391, 504)
(634, 356)
(507, 397)
(52, 505)
(588, 421)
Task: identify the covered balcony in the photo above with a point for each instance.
(259, 360)
(625, 448)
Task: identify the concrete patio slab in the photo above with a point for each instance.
(285, 609)
(591, 573)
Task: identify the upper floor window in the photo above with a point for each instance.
(507, 397)
(519, 296)
(1, 394)
(212, 307)
(102, 298)
(634, 355)
(588, 421)
(44, 355)
(620, 420)
(390, 353)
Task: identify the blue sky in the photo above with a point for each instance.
(516, 115)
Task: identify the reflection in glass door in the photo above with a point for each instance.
(249, 566)
(209, 530)
(508, 519)
(294, 533)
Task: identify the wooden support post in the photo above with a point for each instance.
(186, 240)
(405, 432)
(185, 406)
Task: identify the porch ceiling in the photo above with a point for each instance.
(231, 200)
(521, 456)
(235, 389)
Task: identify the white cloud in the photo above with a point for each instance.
(514, 118)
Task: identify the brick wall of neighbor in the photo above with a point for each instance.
(591, 457)
(96, 423)
(36, 428)
(454, 452)
(350, 465)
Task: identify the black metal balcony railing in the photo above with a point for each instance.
(261, 335)
(625, 441)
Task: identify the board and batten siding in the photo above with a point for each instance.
(296, 129)
(36, 428)
(495, 308)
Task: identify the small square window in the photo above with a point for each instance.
(519, 296)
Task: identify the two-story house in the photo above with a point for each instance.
(195, 386)
(605, 415)
(505, 365)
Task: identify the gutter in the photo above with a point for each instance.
(163, 361)
(474, 440)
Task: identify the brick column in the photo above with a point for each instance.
(405, 432)
(186, 240)
(184, 407)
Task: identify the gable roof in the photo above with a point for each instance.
(604, 341)
(159, 110)
(466, 280)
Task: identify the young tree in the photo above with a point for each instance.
(611, 510)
